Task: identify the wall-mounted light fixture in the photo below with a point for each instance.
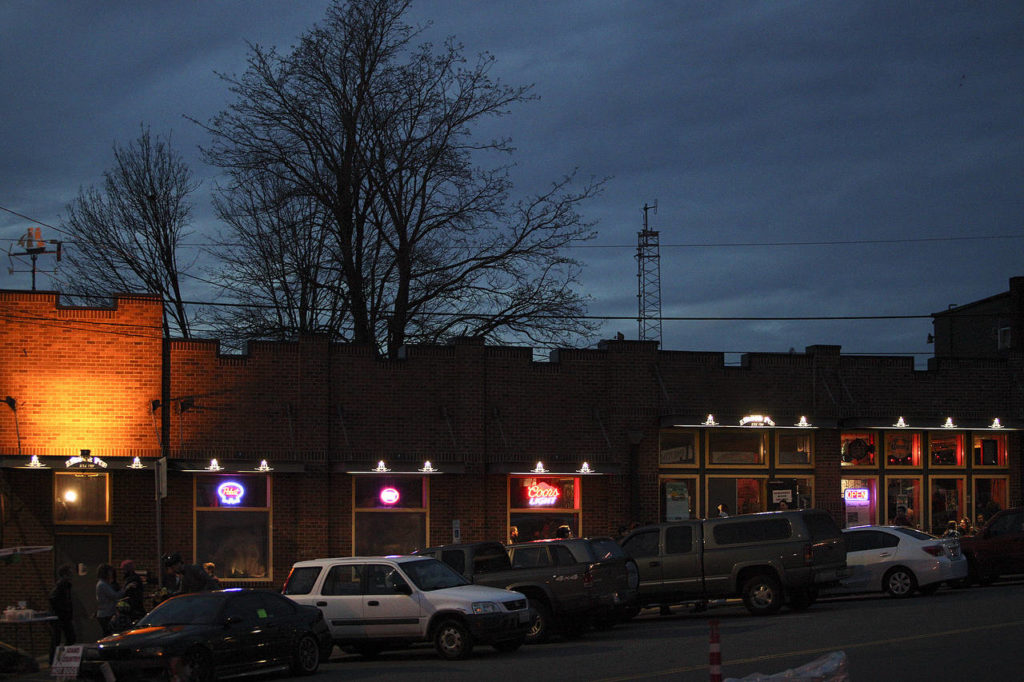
(34, 463)
(710, 421)
(900, 423)
(949, 423)
(539, 469)
(996, 424)
(214, 466)
(136, 464)
(264, 467)
(381, 468)
(13, 404)
(585, 469)
(428, 468)
(803, 423)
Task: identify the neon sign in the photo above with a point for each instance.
(389, 496)
(542, 494)
(230, 492)
(857, 495)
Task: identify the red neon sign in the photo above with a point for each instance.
(542, 494)
(857, 494)
(389, 496)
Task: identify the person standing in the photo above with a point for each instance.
(107, 596)
(134, 591)
(190, 577)
(211, 570)
(723, 510)
(62, 606)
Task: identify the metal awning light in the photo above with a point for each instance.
(381, 468)
(428, 468)
(710, 421)
(136, 464)
(585, 469)
(264, 467)
(996, 424)
(539, 469)
(900, 423)
(214, 466)
(949, 423)
(34, 463)
(803, 423)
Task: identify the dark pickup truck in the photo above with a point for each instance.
(764, 558)
(997, 548)
(570, 583)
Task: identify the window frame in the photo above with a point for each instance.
(916, 448)
(693, 433)
(267, 511)
(873, 439)
(760, 478)
(107, 502)
(918, 510)
(754, 431)
(960, 453)
(797, 433)
(424, 509)
(1002, 449)
(693, 488)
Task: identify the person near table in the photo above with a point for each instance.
(62, 606)
(107, 596)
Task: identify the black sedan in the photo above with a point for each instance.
(208, 635)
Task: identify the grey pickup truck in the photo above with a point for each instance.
(570, 583)
(765, 558)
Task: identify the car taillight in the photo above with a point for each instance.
(934, 550)
(588, 578)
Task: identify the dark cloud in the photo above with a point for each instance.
(753, 123)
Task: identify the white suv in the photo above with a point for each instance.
(376, 603)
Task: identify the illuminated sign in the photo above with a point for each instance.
(389, 496)
(542, 494)
(857, 495)
(85, 462)
(230, 492)
(757, 420)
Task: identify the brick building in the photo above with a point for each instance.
(109, 436)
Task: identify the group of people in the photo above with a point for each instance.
(120, 604)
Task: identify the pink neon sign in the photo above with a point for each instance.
(389, 496)
(542, 494)
(857, 495)
(230, 492)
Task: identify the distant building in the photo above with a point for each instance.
(989, 328)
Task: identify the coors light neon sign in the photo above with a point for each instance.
(542, 494)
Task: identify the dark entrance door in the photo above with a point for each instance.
(84, 553)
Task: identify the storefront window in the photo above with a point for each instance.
(947, 503)
(794, 449)
(858, 449)
(81, 498)
(232, 525)
(990, 450)
(678, 448)
(678, 499)
(539, 505)
(946, 449)
(390, 514)
(903, 501)
(739, 495)
(860, 500)
(736, 446)
(990, 496)
(790, 493)
(902, 449)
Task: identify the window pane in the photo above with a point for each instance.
(543, 525)
(678, 498)
(80, 498)
(301, 580)
(390, 533)
(946, 503)
(903, 501)
(389, 492)
(232, 492)
(990, 450)
(903, 449)
(642, 544)
(794, 448)
(990, 497)
(858, 449)
(238, 542)
(946, 450)
(678, 447)
(736, 447)
(343, 580)
(678, 539)
(542, 493)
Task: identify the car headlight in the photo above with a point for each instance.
(485, 607)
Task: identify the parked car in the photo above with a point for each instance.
(899, 560)
(764, 558)
(377, 603)
(207, 635)
(997, 548)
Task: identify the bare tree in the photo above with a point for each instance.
(125, 236)
(369, 139)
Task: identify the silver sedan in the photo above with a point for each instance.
(899, 561)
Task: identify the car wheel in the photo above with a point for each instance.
(899, 582)
(510, 645)
(540, 626)
(929, 590)
(306, 657)
(197, 666)
(453, 641)
(762, 595)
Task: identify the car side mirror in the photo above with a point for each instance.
(402, 588)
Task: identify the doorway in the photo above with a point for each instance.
(84, 553)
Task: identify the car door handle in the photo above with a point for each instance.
(373, 603)
(321, 603)
(654, 564)
(885, 554)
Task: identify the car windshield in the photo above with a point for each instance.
(606, 548)
(431, 574)
(916, 534)
(184, 610)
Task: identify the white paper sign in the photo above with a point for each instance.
(66, 661)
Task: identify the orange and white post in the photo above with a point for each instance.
(714, 652)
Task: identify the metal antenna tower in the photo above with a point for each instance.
(648, 275)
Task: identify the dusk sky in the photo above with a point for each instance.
(815, 158)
